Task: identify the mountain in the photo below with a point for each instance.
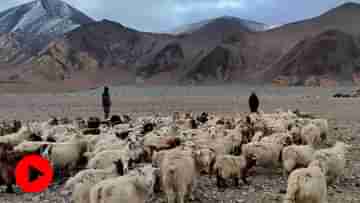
(331, 55)
(222, 50)
(50, 17)
(146, 57)
(256, 56)
(28, 28)
(270, 47)
(99, 47)
(286, 36)
(237, 22)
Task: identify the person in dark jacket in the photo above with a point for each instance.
(253, 103)
(106, 102)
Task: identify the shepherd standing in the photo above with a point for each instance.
(106, 102)
(253, 103)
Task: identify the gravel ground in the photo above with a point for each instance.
(266, 185)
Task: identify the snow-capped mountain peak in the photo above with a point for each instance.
(49, 17)
(56, 8)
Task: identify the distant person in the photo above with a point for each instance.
(253, 103)
(106, 102)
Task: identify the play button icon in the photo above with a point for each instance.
(33, 174)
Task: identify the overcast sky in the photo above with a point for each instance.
(162, 15)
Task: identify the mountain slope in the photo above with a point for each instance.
(148, 57)
(18, 47)
(269, 47)
(330, 55)
(50, 17)
(258, 54)
(286, 36)
(28, 28)
(97, 47)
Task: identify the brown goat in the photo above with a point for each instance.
(7, 169)
(8, 162)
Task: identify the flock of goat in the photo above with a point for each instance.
(129, 159)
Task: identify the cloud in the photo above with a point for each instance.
(186, 7)
(160, 15)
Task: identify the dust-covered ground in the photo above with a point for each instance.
(266, 185)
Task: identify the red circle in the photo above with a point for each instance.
(23, 169)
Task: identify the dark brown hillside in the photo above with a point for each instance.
(269, 47)
(332, 54)
(95, 47)
(216, 66)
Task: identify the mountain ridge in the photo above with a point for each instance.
(28, 28)
(192, 27)
(42, 17)
(220, 51)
